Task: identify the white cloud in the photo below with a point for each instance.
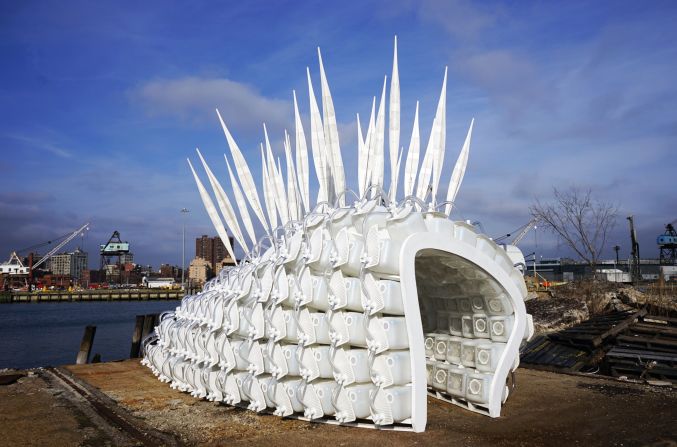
(42, 144)
(194, 99)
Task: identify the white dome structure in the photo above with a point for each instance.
(351, 309)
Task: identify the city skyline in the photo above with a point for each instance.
(571, 93)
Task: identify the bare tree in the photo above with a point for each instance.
(581, 222)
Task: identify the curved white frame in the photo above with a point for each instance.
(415, 244)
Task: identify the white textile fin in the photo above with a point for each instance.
(244, 174)
(241, 204)
(394, 124)
(224, 204)
(459, 170)
(317, 144)
(213, 214)
(302, 169)
(331, 137)
(411, 165)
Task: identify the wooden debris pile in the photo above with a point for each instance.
(631, 344)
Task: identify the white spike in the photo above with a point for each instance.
(279, 186)
(396, 171)
(365, 175)
(361, 156)
(331, 134)
(224, 204)
(241, 204)
(317, 144)
(376, 156)
(213, 214)
(424, 174)
(301, 158)
(292, 186)
(440, 133)
(394, 124)
(459, 170)
(276, 182)
(244, 174)
(268, 193)
(411, 165)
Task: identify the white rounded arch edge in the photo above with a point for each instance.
(412, 246)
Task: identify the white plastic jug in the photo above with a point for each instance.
(500, 327)
(454, 350)
(487, 355)
(477, 387)
(440, 376)
(392, 368)
(440, 351)
(468, 352)
(456, 381)
(480, 325)
(393, 401)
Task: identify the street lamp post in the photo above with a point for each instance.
(184, 213)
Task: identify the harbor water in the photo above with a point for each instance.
(49, 334)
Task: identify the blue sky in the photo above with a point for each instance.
(103, 101)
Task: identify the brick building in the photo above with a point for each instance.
(212, 250)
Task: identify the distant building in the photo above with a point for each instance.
(69, 264)
(168, 271)
(127, 258)
(159, 283)
(212, 250)
(200, 271)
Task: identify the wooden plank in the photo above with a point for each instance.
(86, 345)
(148, 325)
(136, 337)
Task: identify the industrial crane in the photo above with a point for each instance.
(522, 232)
(667, 243)
(14, 266)
(70, 237)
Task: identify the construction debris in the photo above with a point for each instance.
(631, 344)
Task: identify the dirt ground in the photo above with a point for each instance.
(545, 409)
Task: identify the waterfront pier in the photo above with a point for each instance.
(94, 295)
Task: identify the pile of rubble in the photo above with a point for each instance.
(626, 343)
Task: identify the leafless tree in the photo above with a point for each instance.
(580, 221)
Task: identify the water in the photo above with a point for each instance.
(42, 334)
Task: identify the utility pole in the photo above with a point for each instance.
(616, 249)
(535, 245)
(635, 270)
(184, 214)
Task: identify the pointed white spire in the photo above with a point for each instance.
(241, 204)
(361, 156)
(394, 124)
(396, 172)
(331, 134)
(277, 182)
(429, 174)
(440, 134)
(301, 158)
(317, 144)
(213, 214)
(376, 156)
(292, 186)
(268, 194)
(224, 204)
(411, 165)
(365, 174)
(282, 194)
(459, 170)
(424, 174)
(244, 174)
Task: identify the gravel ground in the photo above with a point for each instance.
(545, 409)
